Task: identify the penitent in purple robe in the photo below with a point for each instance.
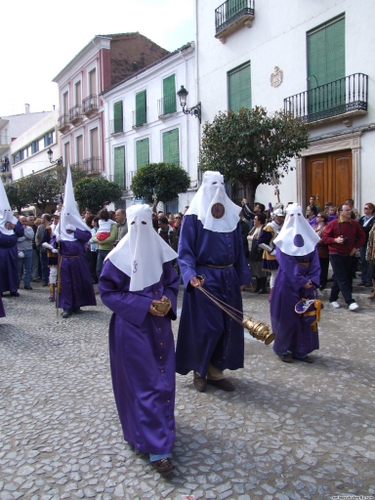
(293, 332)
(76, 284)
(2, 310)
(9, 277)
(206, 333)
(142, 358)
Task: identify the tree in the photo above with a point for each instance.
(60, 173)
(251, 146)
(16, 195)
(93, 193)
(163, 180)
(40, 189)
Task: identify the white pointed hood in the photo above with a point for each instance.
(297, 237)
(212, 205)
(70, 216)
(6, 213)
(141, 253)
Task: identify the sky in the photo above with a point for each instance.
(39, 38)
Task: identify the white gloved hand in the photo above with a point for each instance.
(54, 250)
(47, 245)
(273, 252)
(70, 227)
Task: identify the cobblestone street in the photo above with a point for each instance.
(289, 431)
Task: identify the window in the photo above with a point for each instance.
(239, 88)
(79, 149)
(92, 82)
(34, 147)
(140, 109)
(117, 117)
(78, 93)
(171, 153)
(119, 166)
(48, 139)
(65, 103)
(142, 153)
(169, 95)
(67, 153)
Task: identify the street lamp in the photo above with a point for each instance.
(195, 110)
(58, 162)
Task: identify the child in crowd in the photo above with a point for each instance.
(105, 224)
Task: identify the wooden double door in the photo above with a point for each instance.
(329, 177)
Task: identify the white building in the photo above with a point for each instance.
(145, 124)
(313, 59)
(29, 150)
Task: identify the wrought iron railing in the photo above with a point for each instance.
(75, 113)
(92, 165)
(167, 105)
(4, 139)
(63, 121)
(232, 10)
(79, 164)
(90, 104)
(139, 117)
(332, 99)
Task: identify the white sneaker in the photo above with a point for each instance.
(335, 305)
(353, 306)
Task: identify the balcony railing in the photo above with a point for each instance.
(346, 95)
(4, 140)
(63, 122)
(232, 15)
(79, 164)
(167, 105)
(92, 165)
(90, 105)
(139, 117)
(75, 114)
(117, 126)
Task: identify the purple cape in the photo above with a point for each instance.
(76, 284)
(142, 358)
(206, 333)
(293, 332)
(9, 260)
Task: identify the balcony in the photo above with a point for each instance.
(167, 106)
(90, 105)
(139, 117)
(79, 164)
(231, 16)
(75, 114)
(93, 165)
(117, 126)
(63, 123)
(4, 143)
(336, 100)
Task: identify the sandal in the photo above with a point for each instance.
(163, 466)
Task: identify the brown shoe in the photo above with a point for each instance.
(200, 383)
(222, 384)
(287, 358)
(163, 466)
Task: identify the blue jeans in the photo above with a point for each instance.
(44, 265)
(365, 266)
(342, 266)
(27, 264)
(102, 254)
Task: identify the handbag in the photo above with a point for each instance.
(255, 252)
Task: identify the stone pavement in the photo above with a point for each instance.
(293, 431)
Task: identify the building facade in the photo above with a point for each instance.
(103, 62)
(145, 124)
(312, 59)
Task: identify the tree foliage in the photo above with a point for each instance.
(93, 193)
(251, 146)
(165, 180)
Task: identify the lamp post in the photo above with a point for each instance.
(57, 162)
(193, 111)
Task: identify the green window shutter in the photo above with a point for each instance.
(171, 150)
(140, 108)
(169, 95)
(142, 152)
(118, 117)
(239, 88)
(119, 166)
(326, 65)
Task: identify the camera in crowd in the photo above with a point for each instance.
(345, 240)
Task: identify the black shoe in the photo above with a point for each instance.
(77, 310)
(28, 287)
(45, 284)
(14, 294)
(262, 291)
(222, 384)
(66, 313)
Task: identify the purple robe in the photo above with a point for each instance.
(293, 332)
(2, 310)
(76, 284)
(142, 358)
(9, 277)
(206, 333)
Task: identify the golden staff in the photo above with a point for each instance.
(258, 330)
